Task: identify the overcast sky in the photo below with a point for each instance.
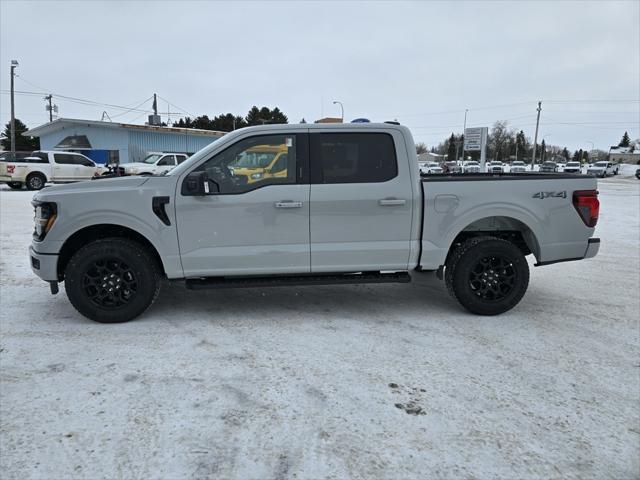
(422, 63)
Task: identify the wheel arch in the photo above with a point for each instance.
(507, 227)
(99, 231)
(36, 172)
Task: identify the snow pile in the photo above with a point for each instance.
(388, 381)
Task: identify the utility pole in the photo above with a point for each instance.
(535, 140)
(50, 107)
(14, 64)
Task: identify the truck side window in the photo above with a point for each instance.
(353, 158)
(254, 162)
(167, 160)
(65, 159)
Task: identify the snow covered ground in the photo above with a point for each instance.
(304, 382)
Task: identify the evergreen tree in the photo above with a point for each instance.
(565, 153)
(451, 151)
(626, 141)
(23, 144)
(543, 151)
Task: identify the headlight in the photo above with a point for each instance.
(257, 176)
(44, 218)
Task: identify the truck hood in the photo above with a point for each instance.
(91, 186)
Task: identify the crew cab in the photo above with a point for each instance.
(549, 167)
(155, 163)
(573, 167)
(518, 167)
(428, 168)
(603, 169)
(43, 166)
(495, 167)
(351, 208)
(471, 167)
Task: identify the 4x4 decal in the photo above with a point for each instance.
(542, 195)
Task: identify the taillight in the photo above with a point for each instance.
(11, 168)
(587, 205)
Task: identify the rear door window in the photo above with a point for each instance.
(65, 159)
(352, 158)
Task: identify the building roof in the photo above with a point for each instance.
(61, 123)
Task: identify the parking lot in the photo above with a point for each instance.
(390, 381)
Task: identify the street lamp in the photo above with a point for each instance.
(14, 64)
(341, 109)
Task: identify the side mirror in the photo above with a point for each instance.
(194, 184)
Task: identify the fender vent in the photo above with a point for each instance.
(157, 205)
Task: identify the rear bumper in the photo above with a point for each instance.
(593, 246)
(5, 179)
(44, 265)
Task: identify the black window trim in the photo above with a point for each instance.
(316, 174)
(302, 153)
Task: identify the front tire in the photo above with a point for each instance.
(487, 275)
(35, 181)
(112, 280)
(15, 185)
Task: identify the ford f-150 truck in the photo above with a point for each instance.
(351, 208)
(47, 166)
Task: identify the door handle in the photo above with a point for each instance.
(392, 202)
(288, 204)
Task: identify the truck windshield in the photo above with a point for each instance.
(601, 164)
(151, 159)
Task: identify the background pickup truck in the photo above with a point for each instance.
(351, 207)
(41, 167)
(154, 164)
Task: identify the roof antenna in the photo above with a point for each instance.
(105, 114)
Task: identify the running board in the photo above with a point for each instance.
(291, 280)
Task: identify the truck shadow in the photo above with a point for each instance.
(377, 302)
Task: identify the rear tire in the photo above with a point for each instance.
(15, 185)
(487, 275)
(112, 280)
(35, 181)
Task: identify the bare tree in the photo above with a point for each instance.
(499, 139)
(421, 147)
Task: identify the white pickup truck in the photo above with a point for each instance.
(346, 205)
(42, 166)
(154, 164)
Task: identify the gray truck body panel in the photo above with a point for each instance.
(402, 224)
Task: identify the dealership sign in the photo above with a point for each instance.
(475, 139)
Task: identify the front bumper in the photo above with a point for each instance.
(44, 265)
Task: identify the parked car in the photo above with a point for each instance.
(471, 167)
(561, 166)
(155, 163)
(601, 169)
(638, 173)
(429, 168)
(573, 167)
(518, 167)
(549, 167)
(495, 167)
(351, 209)
(47, 166)
(451, 167)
